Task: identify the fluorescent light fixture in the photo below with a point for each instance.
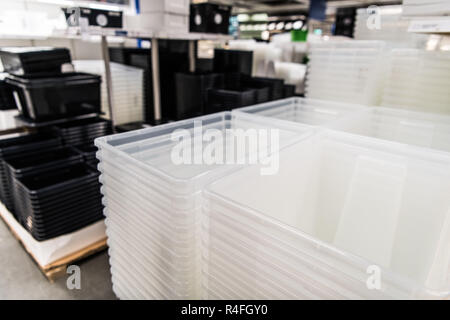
(297, 25)
(243, 17)
(280, 25)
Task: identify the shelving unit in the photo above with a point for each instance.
(153, 36)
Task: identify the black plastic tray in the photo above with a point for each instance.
(225, 100)
(59, 96)
(70, 197)
(72, 227)
(64, 223)
(48, 216)
(21, 167)
(22, 145)
(25, 208)
(42, 185)
(82, 125)
(87, 151)
(34, 60)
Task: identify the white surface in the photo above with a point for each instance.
(49, 251)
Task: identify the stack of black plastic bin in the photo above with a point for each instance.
(20, 145)
(6, 96)
(192, 93)
(43, 92)
(83, 131)
(48, 178)
(59, 201)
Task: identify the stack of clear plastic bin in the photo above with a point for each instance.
(305, 111)
(346, 216)
(153, 202)
(346, 71)
(403, 126)
(128, 88)
(418, 80)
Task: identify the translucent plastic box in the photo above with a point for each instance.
(153, 205)
(341, 208)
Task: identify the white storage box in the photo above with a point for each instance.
(169, 6)
(342, 210)
(158, 21)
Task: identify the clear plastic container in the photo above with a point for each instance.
(348, 202)
(304, 111)
(153, 206)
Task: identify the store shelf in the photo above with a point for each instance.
(32, 124)
(435, 25)
(145, 34)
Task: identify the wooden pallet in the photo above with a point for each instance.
(57, 267)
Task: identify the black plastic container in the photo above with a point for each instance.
(59, 201)
(22, 145)
(57, 97)
(233, 61)
(192, 91)
(276, 85)
(233, 81)
(87, 151)
(95, 17)
(82, 132)
(34, 60)
(129, 127)
(225, 100)
(6, 96)
(173, 58)
(209, 18)
(19, 167)
(289, 90)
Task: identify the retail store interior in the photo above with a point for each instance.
(94, 206)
